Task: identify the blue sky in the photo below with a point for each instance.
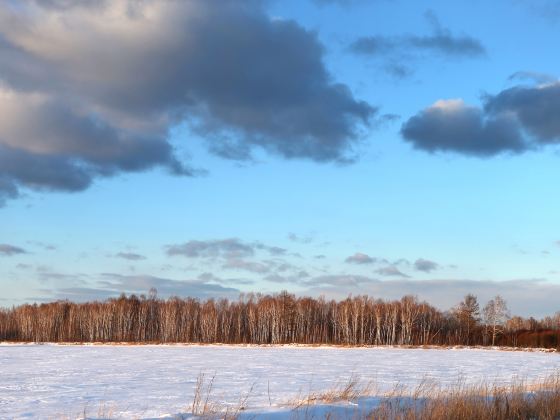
(323, 147)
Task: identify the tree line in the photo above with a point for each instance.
(276, 319)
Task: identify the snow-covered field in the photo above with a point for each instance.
(50, 381)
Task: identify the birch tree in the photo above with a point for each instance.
(496, 313)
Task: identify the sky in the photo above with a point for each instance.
(325, 147)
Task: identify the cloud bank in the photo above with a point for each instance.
(114, 285)
(525, 297)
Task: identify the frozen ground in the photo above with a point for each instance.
(50, 381)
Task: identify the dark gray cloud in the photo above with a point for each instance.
(426, 266)
(360, 258)
(452, 126)
(48, 144)
(399, 51)
(443, 43)
(515, 120)
(536, 108)
(75, 104)
(131, 256)
(10, 250)
(43, 172)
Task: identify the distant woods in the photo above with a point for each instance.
(277, 319)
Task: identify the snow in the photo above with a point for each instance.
(155, 381)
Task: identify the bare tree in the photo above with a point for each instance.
(468, 315)
(496, 314)
(269, 319)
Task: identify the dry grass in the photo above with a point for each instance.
(201, 405)
(205, 407)
(350, 390)
(104, 411)
(519, 401)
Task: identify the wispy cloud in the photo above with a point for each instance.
(230, 248)
(400, 51)
(11, 250)
(360, 258)
(391, 271)
(301, 239)
(131, 256)
(426, 266)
